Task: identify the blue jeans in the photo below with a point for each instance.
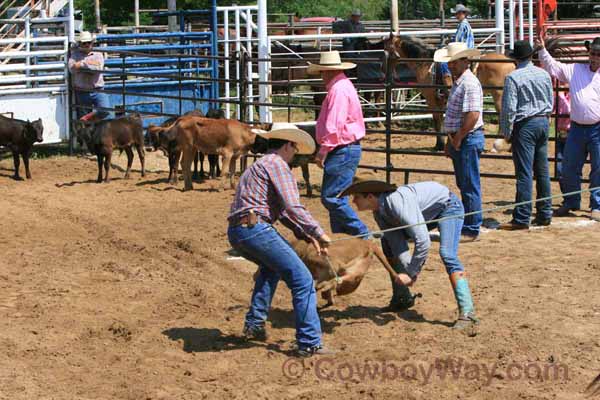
(450, 231)
(276, 259)
(466, 171)
(530, 156)
(92, 99)
(581, 141)
(339, 169)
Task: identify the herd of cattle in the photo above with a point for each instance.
(189, 136)
(186, 138)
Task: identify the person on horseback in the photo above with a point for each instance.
(464, 34)
(85, 66)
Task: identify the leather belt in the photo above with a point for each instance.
(246, 220)
(522, 121)
(347, 144)
(585, 125)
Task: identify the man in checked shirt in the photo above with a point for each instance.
(268, 192)
(526, 105)
(464, 126)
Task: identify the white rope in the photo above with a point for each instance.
(379, 233)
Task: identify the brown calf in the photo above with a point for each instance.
(228, 138)
(349, 260)
(104, 136)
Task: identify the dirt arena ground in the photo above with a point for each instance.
(125, 291)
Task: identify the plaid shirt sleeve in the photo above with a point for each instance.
(473, 97)
(295, 215)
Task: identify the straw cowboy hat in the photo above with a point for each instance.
(329, 61)
(460, 8)
(455, 51)
(365, 183)
(85, 37)
(290, 132)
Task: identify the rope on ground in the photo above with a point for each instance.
(379, 233)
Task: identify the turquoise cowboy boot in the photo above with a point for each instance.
(462, 293)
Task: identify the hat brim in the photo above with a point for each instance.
(314, 69)
(441, 55)
(305, 142)
(589, 45)
(465, 10)
(520, 57)
(370, 186)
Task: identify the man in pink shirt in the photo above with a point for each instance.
(340, 127)
(584, 132)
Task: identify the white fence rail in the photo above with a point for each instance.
(34, 84)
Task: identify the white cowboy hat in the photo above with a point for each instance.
(329, 61)
(287, 131)
(455, 51)
(85, 37)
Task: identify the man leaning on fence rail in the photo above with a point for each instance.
(85, 66)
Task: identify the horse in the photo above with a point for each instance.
(488, 73)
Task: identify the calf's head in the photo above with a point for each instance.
(34, 131)
(85, 134)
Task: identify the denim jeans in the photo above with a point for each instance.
(276, 259)
(466, 171)
(450, 231)
(339, 169)
(92, 99)
(581, 141)
(530, 156)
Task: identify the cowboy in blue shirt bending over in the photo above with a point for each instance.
(413, 205)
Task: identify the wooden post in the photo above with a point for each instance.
(172, 7)
(136, 13)
(394, 15)
(98, 20)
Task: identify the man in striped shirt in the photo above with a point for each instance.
(464, 126)
(584, 133)
(526, 106)
(268, 192)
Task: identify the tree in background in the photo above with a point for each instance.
(120, 12)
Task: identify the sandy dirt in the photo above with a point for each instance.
(125, 291)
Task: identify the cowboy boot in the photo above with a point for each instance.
(462, 293)
(402, 299)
